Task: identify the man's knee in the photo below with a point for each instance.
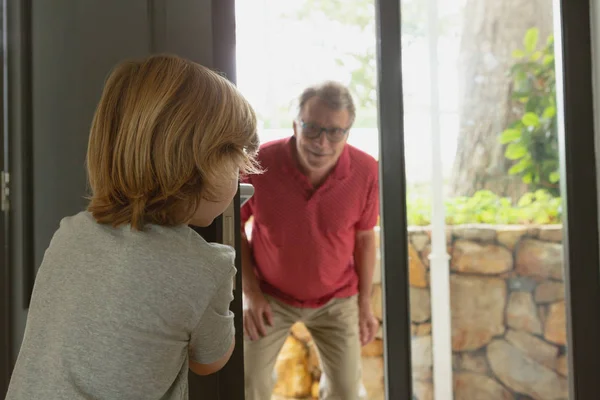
(253, 375)
(258, 362)
(258, 383)
(341, 385)
(258, 379)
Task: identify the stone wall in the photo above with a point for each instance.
(508, 320)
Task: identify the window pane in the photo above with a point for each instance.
(484, 204)
(284, 47)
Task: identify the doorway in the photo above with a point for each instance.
(478, 226)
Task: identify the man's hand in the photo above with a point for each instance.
(368, 324)
(257, 312)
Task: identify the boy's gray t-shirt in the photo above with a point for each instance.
(115, 312)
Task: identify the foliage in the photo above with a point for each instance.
(485, 207)
(358, 14)
(532, 139)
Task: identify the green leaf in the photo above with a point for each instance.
(536, 56)
(542, 218)
(527, 179)
(530, 120)
(525, 200)
(531, 39)
(488, 217)
(509, 135)
(542, 194)
(519, 167)
(518, 53)
(548, 59)
(554, 177)
(549, 112)
(514, 151)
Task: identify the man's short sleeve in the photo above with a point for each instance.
(370, 213)
(212, 337)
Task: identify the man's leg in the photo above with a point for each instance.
(260, 355)
(334, 329)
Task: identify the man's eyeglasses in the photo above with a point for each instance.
(314, 131)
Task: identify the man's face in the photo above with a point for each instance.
(321, 134)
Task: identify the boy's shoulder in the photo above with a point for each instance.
(196, 258)
(203, 265)
(179, 247)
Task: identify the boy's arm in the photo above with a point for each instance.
(213, 339)
(207, 369)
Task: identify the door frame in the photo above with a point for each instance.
(5, 286)
(578, 163)
(14, 223)
(231, 377)
(579, 188)
(392, 187)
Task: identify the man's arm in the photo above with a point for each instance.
(257, 310)
(365, 247)
(249, 281)
(365, 253)
(365, 256)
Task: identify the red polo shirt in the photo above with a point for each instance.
(303, 239)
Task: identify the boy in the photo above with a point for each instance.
(128, 297)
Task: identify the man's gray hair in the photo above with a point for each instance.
(335, 95)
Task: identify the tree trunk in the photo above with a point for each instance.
(492, 29)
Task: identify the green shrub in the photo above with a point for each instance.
(531, 139)
(484, 207)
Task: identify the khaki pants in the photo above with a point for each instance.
(334, 329)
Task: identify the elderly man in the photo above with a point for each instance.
(312, 250)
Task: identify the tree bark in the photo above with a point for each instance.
(492, 29)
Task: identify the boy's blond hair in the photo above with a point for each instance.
(166, 132)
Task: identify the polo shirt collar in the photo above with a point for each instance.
(341, 170)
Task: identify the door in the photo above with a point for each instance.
(59, 54)
(562, 324)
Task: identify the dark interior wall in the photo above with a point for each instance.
(70, 60)
(187, 27)
(73, 47)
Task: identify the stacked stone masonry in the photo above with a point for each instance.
(507, 312)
